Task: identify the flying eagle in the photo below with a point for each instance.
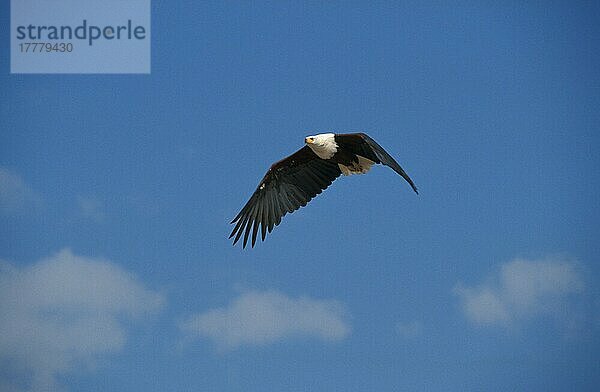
(292, 182)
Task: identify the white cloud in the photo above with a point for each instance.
(256, 318)
(15, 194)
(523, 289)
(409, 329)
(64, 311)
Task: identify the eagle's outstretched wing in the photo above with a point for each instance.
(362, 144)
(288, 185)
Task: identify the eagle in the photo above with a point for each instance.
(293, 181)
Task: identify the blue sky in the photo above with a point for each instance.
(116, 193)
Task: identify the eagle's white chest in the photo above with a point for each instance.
(324, 145)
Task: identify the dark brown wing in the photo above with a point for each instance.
(288, 185)
(361, 144)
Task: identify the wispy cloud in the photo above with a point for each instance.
(256, 318)
(64, 311)
(91, 208)
(15, 194)
(409, 329)
(522, 289)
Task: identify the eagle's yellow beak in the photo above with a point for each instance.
(309, 140)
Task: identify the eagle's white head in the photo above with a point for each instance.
(323, 145)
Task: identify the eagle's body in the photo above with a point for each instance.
(292, 182)
(345, 150)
